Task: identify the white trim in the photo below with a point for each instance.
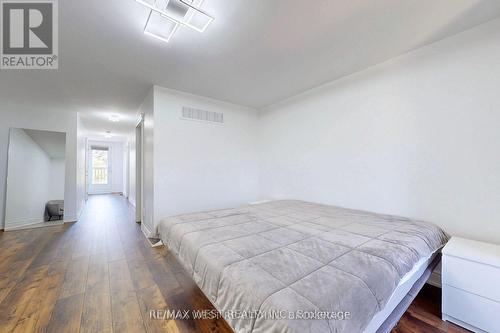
(71, 219)
(140, 119)
(139, 190)
(145, 230)
(37, 225)
(21, 222)
(87, 182)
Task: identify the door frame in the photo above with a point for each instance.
(139, 170)
(87, 179)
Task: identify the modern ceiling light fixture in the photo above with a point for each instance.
(166, 16)
(108, 135)
(114, 118)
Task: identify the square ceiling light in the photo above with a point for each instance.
(194, 17)
(160, 27)
(175, 13)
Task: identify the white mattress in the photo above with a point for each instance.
(399, 293)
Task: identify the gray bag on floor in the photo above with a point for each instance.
(54, 209)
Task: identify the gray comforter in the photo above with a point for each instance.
(292, 266)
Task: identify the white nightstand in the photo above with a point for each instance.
(471, 285)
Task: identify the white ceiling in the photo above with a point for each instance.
(255, 53)
(53, 143)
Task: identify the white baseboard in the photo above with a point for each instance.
(23, 222)
(70, 219)
(146, 231)
(37, 225)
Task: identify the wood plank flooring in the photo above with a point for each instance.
(424, 315)
(101, 275)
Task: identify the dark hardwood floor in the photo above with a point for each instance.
(101, 275)
(424, 315)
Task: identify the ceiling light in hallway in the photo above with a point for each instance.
(166, 16)
(114, 118)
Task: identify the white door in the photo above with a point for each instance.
(99, 169)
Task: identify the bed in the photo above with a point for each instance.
(293, 266)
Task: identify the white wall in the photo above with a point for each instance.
(29, 184)
(201, 166)
(126, 168)
(417, 136)
(81, 178)
(56, 178)
(40, 119)
(117, 157)
(132, 169)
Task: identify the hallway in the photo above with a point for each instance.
(97, 275)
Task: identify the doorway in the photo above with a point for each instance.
(100, 174)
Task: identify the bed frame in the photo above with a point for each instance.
(401, 308)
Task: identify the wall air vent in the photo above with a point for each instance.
(202, 115)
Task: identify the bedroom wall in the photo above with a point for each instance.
(29, 182)
(416, 136)
(198, 165)
(41, 119)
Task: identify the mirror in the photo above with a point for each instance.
(35, 179)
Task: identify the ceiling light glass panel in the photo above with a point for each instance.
(185, 12)
(160, 27)
(195, 18)
(175, 8)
